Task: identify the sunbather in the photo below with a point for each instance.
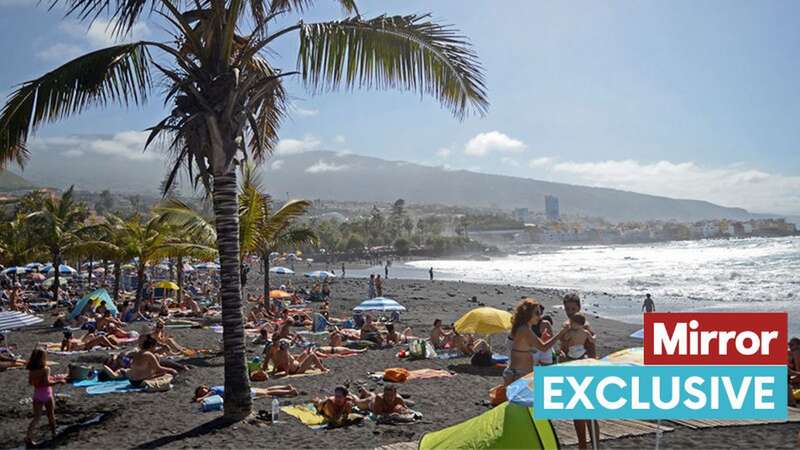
(285, 362)
(338, 409)
(327, 351)
(163, 339)
(369, 332)
(393, 337)
(87, 342)
(286, 390)
(439, 337)
(145, 365)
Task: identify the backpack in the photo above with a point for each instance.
(395, 375)
(421, 349)
(79, 373)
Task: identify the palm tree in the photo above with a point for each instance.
(229, 99)
(16, 245)
(57, 227)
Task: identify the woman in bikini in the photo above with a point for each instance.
(39, 378)
(285, 362)
(286, 390)
(523, 343)
(87, 342)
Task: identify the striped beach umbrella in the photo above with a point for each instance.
(16, 270)
(381, 304)
(10, 320)
(62, 269)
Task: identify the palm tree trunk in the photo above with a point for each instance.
(238, 404)
(117, 276)
(180, 277)
(56, 277)
(139, 285)
(266, 277)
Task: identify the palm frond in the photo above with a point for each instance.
(116, 74)
(348, 6)
(398, 52)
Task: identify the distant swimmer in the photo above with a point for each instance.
(648, 305)
(430, 272)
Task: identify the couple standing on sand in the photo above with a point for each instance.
(525, 345)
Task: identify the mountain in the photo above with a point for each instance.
(10, 181)
(330, 176)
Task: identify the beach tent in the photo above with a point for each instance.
(507, 426)
(484, 321)
(96, 297)
(10, 320)
(382, 304)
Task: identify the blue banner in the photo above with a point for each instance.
(660, 392)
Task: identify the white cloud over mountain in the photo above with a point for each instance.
(493, 141)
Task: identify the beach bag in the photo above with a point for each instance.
(80, 373)
(395, 375)
(213, 403)
(160, 384)
(497, 395)
(421, 349)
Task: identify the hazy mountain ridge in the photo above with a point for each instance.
(335, 176)
(10, 181)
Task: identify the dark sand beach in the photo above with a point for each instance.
(171, 420)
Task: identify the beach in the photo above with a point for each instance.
(170, 419)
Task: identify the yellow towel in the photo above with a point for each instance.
(305, 413)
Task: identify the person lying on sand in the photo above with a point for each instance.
(395, 338)
(8, 359)
(327, 351)
(105, 319)
(285, 390)
(87, 342)
(388, 402)
(285, 362)
(574, 341)
(369, 332)
(188, 302)
(439, 337)
(338, 408)
(145, 365)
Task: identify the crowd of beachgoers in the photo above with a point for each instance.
(299, 330)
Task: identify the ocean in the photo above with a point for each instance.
(757, 274)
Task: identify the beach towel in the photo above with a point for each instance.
(298, 375)
(307, 414)
(113, 387)
(133, 337)
(90, 382)
(427, 374)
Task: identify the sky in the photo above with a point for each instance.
(682, 98)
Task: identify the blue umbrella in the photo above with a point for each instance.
(16, 270)
(281, 270)
(380, 304)
(319, 274)
(34, 266)
(62, 269)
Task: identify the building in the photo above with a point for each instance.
(551, 207)
(521, 214)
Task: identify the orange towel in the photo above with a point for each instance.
(425, 374)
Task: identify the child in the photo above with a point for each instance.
(574, 341)
(39, 378)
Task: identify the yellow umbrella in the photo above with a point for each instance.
(484, 321)
(164, 284)
(279, 294)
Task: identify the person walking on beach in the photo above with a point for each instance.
(386, 270)
(343, 272)
(648, 305)
(371, 286)
(430, 273)
(379, 286)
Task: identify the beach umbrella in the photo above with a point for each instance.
(381, 304)
(207, 266)
(34, 266)
(38, 277)
(639, 334)
(127, 267)
(62, 269)
(99, 270)
(10, 320)
(188, 267)
(280, 270)
(16, 270)
(484, 321)
(279, 294)
(165, 284)
(49, 282)
(319, 274)
(291, 257)
(274, 255)
(162, 267)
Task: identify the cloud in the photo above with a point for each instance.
(100, 34)
(59, 52)
(73, 153)
(339, 139)
(443, 152)
(277, 164)
(735, 185)
(493, 141)
(294, 146)
(302, 112)
(540, 162)
(127, 145)
(321, 166)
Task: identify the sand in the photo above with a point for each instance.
(171, 420)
